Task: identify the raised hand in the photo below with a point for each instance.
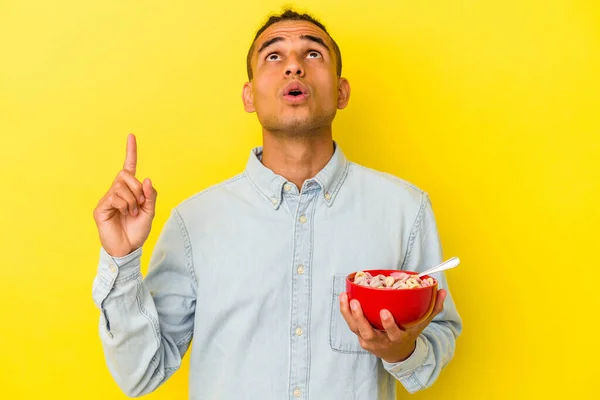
(124, 215)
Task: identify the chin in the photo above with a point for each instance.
(296, 126)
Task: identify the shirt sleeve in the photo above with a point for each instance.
(146, 325)
(436, 345)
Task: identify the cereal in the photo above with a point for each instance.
(376, 282)
(396, 280)
(389, 281)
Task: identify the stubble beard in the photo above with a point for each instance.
(297, 127)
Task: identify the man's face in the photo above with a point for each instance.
(295, 88)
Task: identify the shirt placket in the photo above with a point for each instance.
(301, 293)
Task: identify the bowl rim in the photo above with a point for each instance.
(391, 289)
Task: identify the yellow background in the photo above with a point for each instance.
(490, 106)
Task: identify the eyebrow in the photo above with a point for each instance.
(276, 39)
(269, 42)
(315, 39)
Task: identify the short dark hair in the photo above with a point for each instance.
(291, 15)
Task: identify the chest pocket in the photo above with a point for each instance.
(341, 338)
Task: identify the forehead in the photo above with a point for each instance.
(290, 30)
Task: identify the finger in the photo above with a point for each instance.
(393, 331)
(149, 191)
(131, 154)
(117, 203)
(439, 303)
(134, 185)
(122, 190)
(437, 308)
(346, 313)
(365, 330)
(150, 194)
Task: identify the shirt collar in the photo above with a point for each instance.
(270, 185)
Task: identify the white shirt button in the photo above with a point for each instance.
(287, 187)
(298, 331)
(112, 267)
(302, 219)
(297, 392)
(327, 196)
(300, 269)
(274, 200)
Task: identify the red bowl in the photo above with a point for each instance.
(408, 306)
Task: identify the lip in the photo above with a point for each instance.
(298, 98)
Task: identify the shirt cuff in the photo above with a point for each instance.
(114, 269)
(408, 366)
(125, 266)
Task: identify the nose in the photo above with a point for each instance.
(294, 68)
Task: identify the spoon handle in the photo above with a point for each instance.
(451, 263)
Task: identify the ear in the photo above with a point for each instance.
(343, 93)
(248, 98)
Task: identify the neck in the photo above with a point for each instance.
(297, 157)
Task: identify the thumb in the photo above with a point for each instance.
(149, 193)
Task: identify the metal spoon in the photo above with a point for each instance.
(451, 263)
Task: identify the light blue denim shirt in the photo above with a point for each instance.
(252, 269)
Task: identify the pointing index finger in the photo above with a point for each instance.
(131, 155)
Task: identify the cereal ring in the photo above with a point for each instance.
(359, 274)
(389, 281)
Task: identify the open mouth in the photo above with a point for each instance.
(294, 90)
(295, 93)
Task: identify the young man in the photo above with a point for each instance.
(253, 268)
